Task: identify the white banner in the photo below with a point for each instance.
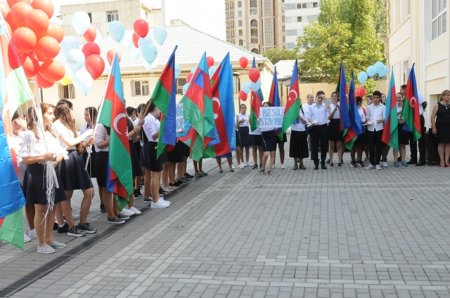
(180, 119)
(271, 117)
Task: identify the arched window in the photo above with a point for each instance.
(254, 23)
(255, 50)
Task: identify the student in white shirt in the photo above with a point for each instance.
(298, 146)
(256, 144)
(361, 140)
(242, 136)
(269, 139)
(318, 119)
(375, 122)
(334, 131)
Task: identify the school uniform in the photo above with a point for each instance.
(362, 138)
(134, 153)
(150, 127)
(318, 115)
(91, 149)
(256, 137)
(403, 135)
(334, 132)
(375, 132)
(102, 156)
(242, 136)
(298, 146)
(269, 139)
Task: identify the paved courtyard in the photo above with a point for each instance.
(342, 232)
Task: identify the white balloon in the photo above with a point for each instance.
(80, 22)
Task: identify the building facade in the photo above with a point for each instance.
(256, 25)
(298, 14)
(418, 33)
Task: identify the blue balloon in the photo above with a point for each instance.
(371, 71)
(116, 30)
(383, 71)
(256, 86)
(362, 77)
(177, 71)
(212, 70)
(378, 66)
(83, 81)
(69, 43)
(148, 50)
(160, 34)
(80, 22)
(185, 88)
(246, 88)
(75, 59)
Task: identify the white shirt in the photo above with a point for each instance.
(150, 127)
(100, 135)
(421, 100)
(33, 146)
(336, 114)
(362, 115)
(242, 117)
(375, 113)
(318, 114)
(306, 108)
(298, 125)
(61, 130)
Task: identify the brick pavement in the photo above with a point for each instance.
(342, 232)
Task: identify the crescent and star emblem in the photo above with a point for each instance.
(216, 100)
(413, 102)
(292, 95)
(116, 121)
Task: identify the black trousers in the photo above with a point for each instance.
(318, 136)
(421, 142)
(375, 146)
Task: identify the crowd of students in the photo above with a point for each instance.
(55, 159)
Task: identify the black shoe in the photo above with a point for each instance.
(255, 166)
(86, 228)
(331, 164)
(412, 161)
(63, 229)
(55, 226)
(162, 191)
(340, 164)
(353, 164)
(421, 163)
(137, 194)
(188, 176)
(75, 232)
(102, 208)
(302, 167)
(316, 167)
(323, 166)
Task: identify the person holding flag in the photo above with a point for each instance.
(334, 130)
(298, 146)
(375, 121)
(269, 145)
(403, 135)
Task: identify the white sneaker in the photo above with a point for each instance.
(45, 249)
(126, 212)
(160, 205)
(384, 164)
(282, 166)
(32, 234)
(136, 210)
(378, 167)
(241, 166)
(162, 199)
(233, 166)
(370, 167)
(26, 238)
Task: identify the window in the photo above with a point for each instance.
(304, 5)
(241, 42)
(112, 15)
(255, 50)
(239, 14)
(66, 92)
(239, 3)
(180, 83)
(438, 17)
(240, 32)
(292, 32)
(253, 3)
(299, 19)
(254, 23)
(240, 23)
(315, 4)
(90, 17)
(253, 11)
(299, 5)
(139, 88)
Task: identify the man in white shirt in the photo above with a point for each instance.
(318, 118)
(375, 120)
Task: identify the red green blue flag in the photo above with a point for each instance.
(274, 95)
(293, 104)
(411, 107)
(390, 130)
(113, 115)
(164, 98)
(255, 107)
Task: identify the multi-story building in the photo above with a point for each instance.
(101, 12)
(255, 24)
(298, 14)
(418, 33)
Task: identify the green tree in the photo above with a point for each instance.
(346, 32)
(276, 55)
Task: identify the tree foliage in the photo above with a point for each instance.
(345, 31)
(276, 55)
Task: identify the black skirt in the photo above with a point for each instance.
(334, 132)
(91, 164)
(73, 174)
(243, 133)
(101, 164)
(284, 140)
(403, 135)
(34, 186)
(360, 140)
(269, 141)
(150, 161)
(176, 154)
(256, 140)
(298, 146)
(135, 153)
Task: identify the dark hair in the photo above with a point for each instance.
(44, 108)
(16, 115)
(242, 104)
(268, 103)
(63, 114)
(358, 99)
(334, 92)
(403, 86)
(152, 107)
(320, 92)
(65, 101)
(92, 111)
(376, 93)
(130, 110)
(140, 108)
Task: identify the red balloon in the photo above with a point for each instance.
(90, 33)
(135, 40)
(24, 39)
(95, 65)
(360, 91)
(15, 58)
(42, 82)
(57, 32)
(210, 61)
(243, 95)
(31, 67)
(52, 71)
(38, 21)
(12, 2)
(141, 27)
(47, 48)
(253, 74)
(189, 77)
(91, 48)
(110, 56)
(44, 5)
(16, 17)
(243, 62)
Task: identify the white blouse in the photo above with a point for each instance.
(61, 130)
(150, 127)
(336, 114)
(100, 135)
(298, 125)
(33, 146)
(242, 117)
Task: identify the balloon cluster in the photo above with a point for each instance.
(142, 39)
(376, 69)
(254, 76)
(35, 42)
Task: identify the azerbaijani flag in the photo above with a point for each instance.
(164, 98)
(411, 107)
(223, 105)
(293, 104)
(343, 99)
(255, 106)
(274, 95)
(356, 127)
(390, 130)
(113, 115)
(14, 91)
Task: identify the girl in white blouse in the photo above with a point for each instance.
(39, 151)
